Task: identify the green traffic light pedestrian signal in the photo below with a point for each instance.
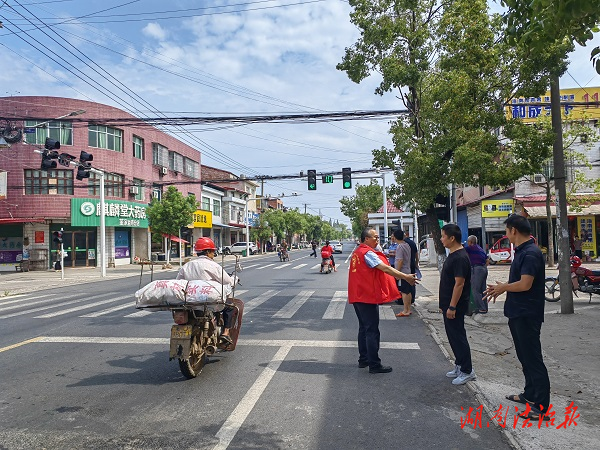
(347, 178)
(312, 180)
(327, 179)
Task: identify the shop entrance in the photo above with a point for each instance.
(80, 248)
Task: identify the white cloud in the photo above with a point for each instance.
(154, 30)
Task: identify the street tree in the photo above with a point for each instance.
(537, 26)
(446, 64)
(368, 199)
(261, 232)
(169, 214)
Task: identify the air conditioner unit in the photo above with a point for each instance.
(539, 178)
(164, 170)
(134, 190)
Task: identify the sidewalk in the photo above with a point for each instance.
(571, 346)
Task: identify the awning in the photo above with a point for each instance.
(175, 238)
(221, 225)
(20, 220)
(538, 212)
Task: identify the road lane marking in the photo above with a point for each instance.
(79, 308)
(43, 308)
(142, 313)
(109, 310)
(3, 308)
(237, 418)
(293, 305)
(282, 266)
(19, 298)
(257, 301)
(335, 309)
(29, 341)
(299, 266)
(316, 266)
(244, 342)
(386, 312)
(251, 266)
(264, 267)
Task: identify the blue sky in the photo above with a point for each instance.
(264, 57)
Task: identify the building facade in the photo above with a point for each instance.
(138, 161)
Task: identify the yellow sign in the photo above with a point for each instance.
(497, 208)
(202, 219)
(586, 230)
(524, 108)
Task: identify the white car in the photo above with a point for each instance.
(337, 246)
(240, 247)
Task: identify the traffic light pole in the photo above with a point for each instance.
(102, 254)
(62, 257)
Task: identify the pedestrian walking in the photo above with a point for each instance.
(524, 307)
(414, 264)
(479, 273)
(455, 288)
(577, 243)
(313, 244)
(403, 265)
(371, 283)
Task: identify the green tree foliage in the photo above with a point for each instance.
(454, 76)
(368, 199)
(171, 213)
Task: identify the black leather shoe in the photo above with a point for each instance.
(380, 369)
(362, 365)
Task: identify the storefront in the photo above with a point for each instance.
(126, 232)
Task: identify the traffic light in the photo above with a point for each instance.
(58, 237)
(327, 179)
(442, 208)
(51, 144)
(347, 178)
(48, 160)
(83, 170)
(312, 180)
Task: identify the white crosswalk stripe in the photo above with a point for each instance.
(251, 266)
(25, 302)
(293, 305)
(141, 313)
(299, 266)
(109, 310)
(264, 267)
(282, 266)
(79, 308)
(337, 305)
(257, 301)
(316, 266)
(386, 313)
(57, 305)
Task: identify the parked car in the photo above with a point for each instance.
(239, 247)
(337, 246)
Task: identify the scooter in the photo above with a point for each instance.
(582, 279)
(283, 255)
(326, 265)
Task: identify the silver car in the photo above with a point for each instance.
(337, 246)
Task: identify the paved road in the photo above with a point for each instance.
(81, 368)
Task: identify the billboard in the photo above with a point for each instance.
(497, 208)
(85, 212)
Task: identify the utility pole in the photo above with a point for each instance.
(562, 224)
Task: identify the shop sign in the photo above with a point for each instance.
(85, 212)
(202, 219)
(497, 208)
(586, 229)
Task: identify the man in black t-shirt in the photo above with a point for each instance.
(454, 292)
(524, 308)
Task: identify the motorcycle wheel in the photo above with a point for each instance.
(552, 289)
(192, 367)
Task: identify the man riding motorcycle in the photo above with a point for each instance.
(205, 268)
(327, 253)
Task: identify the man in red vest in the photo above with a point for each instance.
(371, 282)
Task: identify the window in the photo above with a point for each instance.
(113, 185)
(139, 184)
(59, 130)
(101, 136)
(156, 192)
(190, 168)
(53, 182)
(160, 155)
(205, 204)
(138, 147)
(217, 207)
(175, 162)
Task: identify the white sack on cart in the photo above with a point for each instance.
(161, 294)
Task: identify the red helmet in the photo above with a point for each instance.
(204, 243)
(575, 261)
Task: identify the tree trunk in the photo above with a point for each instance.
(564, 268)
(550, 250)
(436, 234)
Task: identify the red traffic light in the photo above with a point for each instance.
(52, 144)
(85, 157)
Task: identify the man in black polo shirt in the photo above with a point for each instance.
(524, 308)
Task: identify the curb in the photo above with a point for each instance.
(472, 386)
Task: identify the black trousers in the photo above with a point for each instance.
(368, 333)
(526, 336)
(457, 337)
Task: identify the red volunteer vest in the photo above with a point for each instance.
(366, 285)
